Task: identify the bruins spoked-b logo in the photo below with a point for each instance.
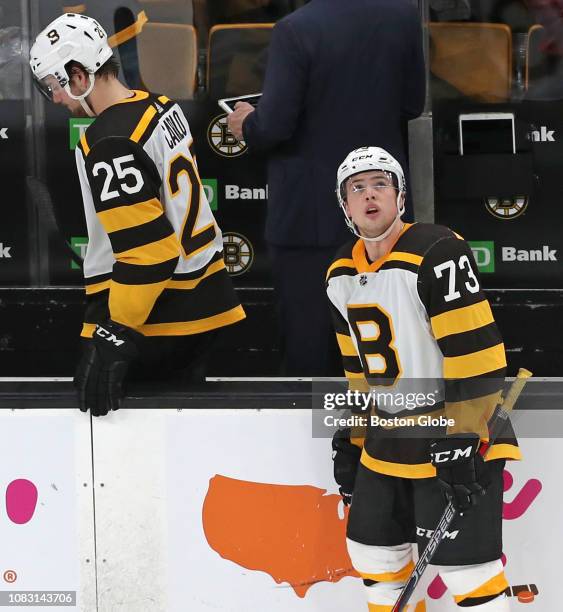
(222, 141)
(506, 208)
(238, 253)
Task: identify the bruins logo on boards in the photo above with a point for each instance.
(238, 253)
(222, 141)
(506, 208)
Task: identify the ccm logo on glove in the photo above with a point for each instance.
(107, 335)
(452, 455)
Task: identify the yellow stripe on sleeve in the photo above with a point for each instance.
(131, 304)
(504, 451)
(340, 263)
(152, 253)
(346, 345)
(194, 327)
(353, 375)
(143, 124)
(124, 217)
(84, 143)
(97, 287)
(475, 364)
(406, 257)
(180, 328)
(462, 319)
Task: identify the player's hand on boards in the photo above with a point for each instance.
(346, 457)
(103, 366)
(461, 471)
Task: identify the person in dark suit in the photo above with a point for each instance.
(340, 74)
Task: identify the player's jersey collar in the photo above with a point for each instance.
(138, 95)
(359, 255)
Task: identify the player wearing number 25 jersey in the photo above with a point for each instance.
(156, 282)
(411, 319)
(155, 252)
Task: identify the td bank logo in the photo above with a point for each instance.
(484, 254)
(210, 189)
(77, 127)
(79, 244)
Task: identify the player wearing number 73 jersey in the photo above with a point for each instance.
(156, 281)
(416, 331)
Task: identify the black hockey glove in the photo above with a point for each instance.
(104, 364)
(461, 470)
(346, 457)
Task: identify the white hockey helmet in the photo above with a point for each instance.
(366, 159)
(70, 37)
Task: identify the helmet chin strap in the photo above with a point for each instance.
(385, 233)
(400, 212)
(82, 97)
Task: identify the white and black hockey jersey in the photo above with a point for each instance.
(155, 253)
(416, 321)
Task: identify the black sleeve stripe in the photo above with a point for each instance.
(470, 341)
(339, 322)
(341, 267)
(131, 274)
(343, 271)
(99, 278)
(400, 265)
(475, 364)
(466, 389)
(140, 235)
(211, 297)
(352, 364)
(438, 307)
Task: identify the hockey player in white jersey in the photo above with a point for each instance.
(156, 283)
(409, 310)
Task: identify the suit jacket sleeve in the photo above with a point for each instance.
(414, 89)
(275, 118)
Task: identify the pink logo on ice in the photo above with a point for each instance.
(21, 500)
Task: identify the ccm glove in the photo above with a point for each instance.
(346, 457)
(461, 470)
(104, 364)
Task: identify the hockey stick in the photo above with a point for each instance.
(498, 423)
(42, 199)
